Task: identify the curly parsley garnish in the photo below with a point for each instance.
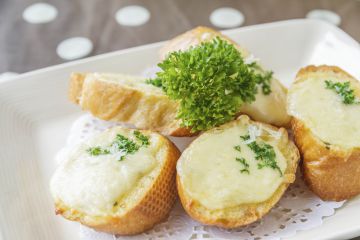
(156, 82)
(343, 90)
(211, 81)
(122, 145)
(264, 153)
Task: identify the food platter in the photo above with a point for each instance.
(36, 120)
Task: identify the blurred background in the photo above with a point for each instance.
(38, 34)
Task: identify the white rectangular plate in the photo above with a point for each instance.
(35, 118)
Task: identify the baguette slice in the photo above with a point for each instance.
(269, 109)
(216, 188)
(126, 98)
(112, 194)
(327, 132)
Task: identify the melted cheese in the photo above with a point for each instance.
(269, 108)
(323, 112)
(211, 175)
(93, 184)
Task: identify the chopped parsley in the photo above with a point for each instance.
(237, 148)
(122, 145)
(245, 137)
(263, 78)
(96, 151)
(264, 153)
(142, 138)
(211, 81)
(244, 164)
(343, 90)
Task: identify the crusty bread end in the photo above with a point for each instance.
(332, 173)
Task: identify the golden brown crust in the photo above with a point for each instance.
(246, 213)
(120, 103)
(333, 173)
(194, 37)
(76, 85)
(153, 207)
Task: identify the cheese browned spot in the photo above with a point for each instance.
(210, 174)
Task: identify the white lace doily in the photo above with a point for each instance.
(299, 209)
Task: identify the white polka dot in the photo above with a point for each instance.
(325, 15)
(132, 16)
(74, 48)
(227, 17)
(40, 13)
(7, 75)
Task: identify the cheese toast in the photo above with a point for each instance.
(324, 104)
(232, 175)
(120, 181)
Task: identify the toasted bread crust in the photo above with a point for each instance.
(194, 37)
(152, 208)
(246, 213)
(331, 173)
(119, 103)
(75, 87)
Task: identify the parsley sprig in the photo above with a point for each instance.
(121, 144)
(211, 81)
(343, 90)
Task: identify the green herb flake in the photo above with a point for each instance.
(244, 164)
(121, 144)
(125, 145)
(264, 153)
(263, 78)
(211, 81)
(343, 90)
(237, 148)
(96, 151)
(142, 138)
(245, 137)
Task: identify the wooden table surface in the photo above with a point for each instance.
(25, 46)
